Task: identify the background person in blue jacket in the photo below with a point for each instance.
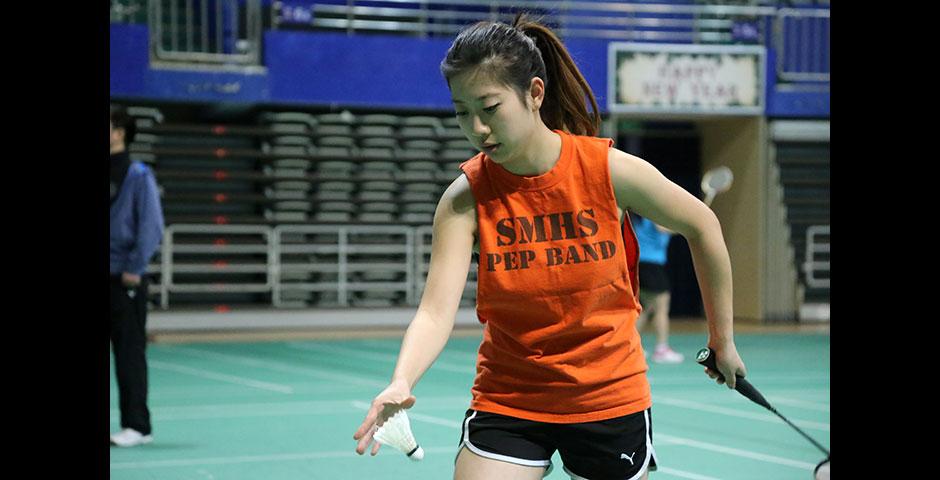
(653, 241)
(136, 230)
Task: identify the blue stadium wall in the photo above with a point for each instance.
(371, 71)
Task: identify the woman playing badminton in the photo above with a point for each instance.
(560, 366)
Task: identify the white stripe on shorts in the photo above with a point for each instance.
(649, 448)
(646, 461)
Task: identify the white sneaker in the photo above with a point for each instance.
(130, 438)
(664, 354)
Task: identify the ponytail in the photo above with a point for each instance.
(565, 105)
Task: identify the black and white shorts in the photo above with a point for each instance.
(619, 448)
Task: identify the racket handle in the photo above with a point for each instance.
(706, 357)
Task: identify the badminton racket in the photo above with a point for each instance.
(715, 181)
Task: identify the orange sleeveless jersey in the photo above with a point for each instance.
(555, 291)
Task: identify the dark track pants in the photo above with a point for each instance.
(128, 320)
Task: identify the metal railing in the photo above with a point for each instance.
(128, 11)
(205, 31)
(609, 20)
(817, 244)
(229, 31)
(340, 262)
(801, 38)
(408, 244)
(169, 282)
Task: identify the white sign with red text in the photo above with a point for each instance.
(687, 79)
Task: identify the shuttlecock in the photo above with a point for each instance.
(396, 433)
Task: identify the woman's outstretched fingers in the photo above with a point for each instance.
(366, 430)
(367, 423)
(364, 442)
(394, 398)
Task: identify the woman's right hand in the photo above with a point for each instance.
(728, 361)
(395, 397)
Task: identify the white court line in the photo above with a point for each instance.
(378, 343)
(697, 380)
(361, 380)
(211, 392)
(658, 399)
(426, 402)
(448, 350)
(221, 377)
(237, 410)
(247, 414)
(382, 357)
(458, 353)
(740, 452)
(318, 455)
(276, 409)
(667, 439)
(449, 423)
(798, 403)
(217, 415)
(261, 458)
(684, 474)
(282, 367)
(820, 395)
(681, 380)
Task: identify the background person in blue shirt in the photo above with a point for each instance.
(653, 241)
(136, 230)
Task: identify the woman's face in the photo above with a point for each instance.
(492, 116)
(117, 137)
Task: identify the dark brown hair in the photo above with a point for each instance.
(120, 120)
(513, 55)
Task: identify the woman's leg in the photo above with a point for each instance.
(471, 466)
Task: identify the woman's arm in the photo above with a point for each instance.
(451, 247)
(641, 188)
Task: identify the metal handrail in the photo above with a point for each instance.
(343, 249)
(122, 12)
(226, 12)
(810, 265)
(412, 247)
(606, 20)
(621, 14)
(624, 7)
(169, 267)
(793, 43)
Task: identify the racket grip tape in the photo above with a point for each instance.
(706, 357)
